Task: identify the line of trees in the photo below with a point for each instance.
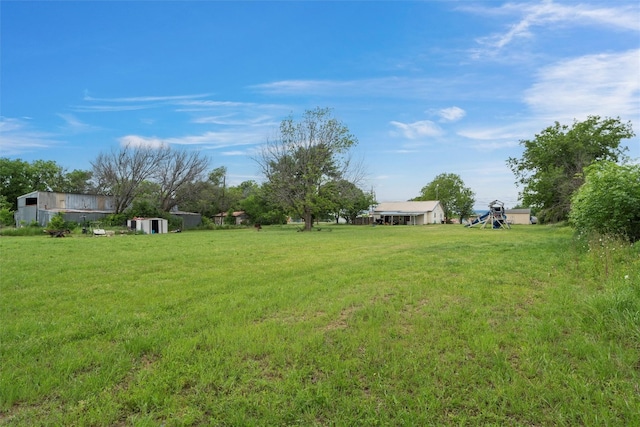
(309, 173)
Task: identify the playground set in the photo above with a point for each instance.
(495, 218)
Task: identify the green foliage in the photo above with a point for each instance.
(57, 222)
(22, 231)
(345, 199)
(77, 181)
(608, 202)
(454, 197)
(143, 208)
(18, 177)
(6, 217)
(306, 155)
(229, 219)
(551, 167)
(117, 220)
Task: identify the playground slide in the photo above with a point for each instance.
(479, 219)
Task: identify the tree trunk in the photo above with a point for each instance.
(308, 219)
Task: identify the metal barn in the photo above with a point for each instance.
(42, 206)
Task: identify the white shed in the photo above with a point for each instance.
(149, 225)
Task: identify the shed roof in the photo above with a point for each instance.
(518, 211)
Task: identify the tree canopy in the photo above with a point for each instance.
(304, 156)
(121, 173)
(450, 191)
(18, 177)
(552, 165)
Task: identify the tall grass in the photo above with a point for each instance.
(358, 326)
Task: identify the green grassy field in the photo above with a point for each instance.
(433, 325)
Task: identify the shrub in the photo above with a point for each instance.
(57, 222)
(607, 203)
(6, 217)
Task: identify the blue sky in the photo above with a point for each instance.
(427, 87)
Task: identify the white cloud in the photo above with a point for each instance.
(131, 103)
(451, 114)
(604, 84)
(73, 124)
(544, 15)
(144, 99)
(219, 139)
(394, 87)
(516, 131)
(210, 140)
(233, 153)
(422, 128)
(108, 108)
(230, 120)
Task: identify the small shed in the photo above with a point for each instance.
(149, 225)
(518, 216)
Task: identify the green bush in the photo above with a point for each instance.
(6, 217)
(607, 203)
(57, 222)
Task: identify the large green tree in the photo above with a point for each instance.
(552, 164)
(609, 201)
(18, 177)
(347, 200)
(304, 156)
(450, 191)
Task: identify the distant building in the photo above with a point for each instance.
(518, 216)
(42, 206)
(189, 219)
(409, 213)
(240, 217)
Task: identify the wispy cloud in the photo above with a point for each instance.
(394, 87)
(605, 84)
(133, 103)
(419, 129)
(146, 99)
(75, 125)
(18, 137)
(208, 140)
(451, 114)
(204, 105)
(109, 108)
(232, 120)
(543, 15)
(501, 133)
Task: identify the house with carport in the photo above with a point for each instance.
(409, 213)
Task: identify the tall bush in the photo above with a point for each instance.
(609, 201)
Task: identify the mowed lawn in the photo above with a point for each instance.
(347, 326)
